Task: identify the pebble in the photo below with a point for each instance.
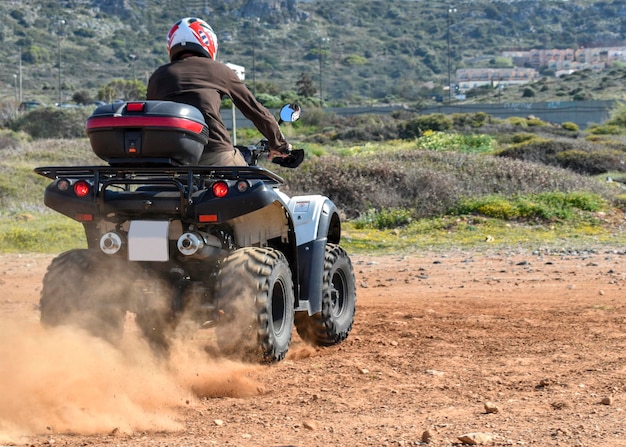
(427, 436)
(490, 407)
(310, 425)
(475, 438)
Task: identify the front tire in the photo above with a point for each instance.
(254, 292)
(82, 289)
(333, 324)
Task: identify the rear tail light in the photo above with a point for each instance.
(81, 188)
(220, 189)
(135, 106)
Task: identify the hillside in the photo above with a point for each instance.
(355, 51)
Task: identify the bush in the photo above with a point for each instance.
(439, 141)
(269, 101)
(52, 122)
(11, 140)
(547, 206)
(426, 182)
(415, 127)
(473, 120)
(568, 125)
(536, 150)
(367, 128)
(604, 129)
(317, 117)
(384, 219)
(592, 163)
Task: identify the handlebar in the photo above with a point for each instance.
(253, 152)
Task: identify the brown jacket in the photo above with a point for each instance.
(202, 82)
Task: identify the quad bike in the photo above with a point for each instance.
(183, 245)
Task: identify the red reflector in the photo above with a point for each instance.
(84, 217)
(220, 189)
(99, 123)
(81, 188)
(135, 106)
(207, 218)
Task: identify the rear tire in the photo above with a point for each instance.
(254, 291)
(333, 324)
(81, 289)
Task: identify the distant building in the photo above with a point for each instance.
(469, 78)
(568, 60)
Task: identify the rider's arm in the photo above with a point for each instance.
(245, 101)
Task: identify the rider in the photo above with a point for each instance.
(194, 77)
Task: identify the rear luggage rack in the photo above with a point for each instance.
(185, 174)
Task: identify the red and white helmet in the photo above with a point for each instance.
(191, 34)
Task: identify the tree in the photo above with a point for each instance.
(305, 87)
(122, 89)
(81, 97)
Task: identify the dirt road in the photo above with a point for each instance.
(496, 348)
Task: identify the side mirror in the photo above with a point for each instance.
(289, 113)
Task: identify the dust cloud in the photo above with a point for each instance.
(63, 380)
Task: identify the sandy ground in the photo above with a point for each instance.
(495, 348)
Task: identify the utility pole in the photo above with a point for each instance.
(321, 61)
(60, 24)
(450, 11)
(255, 20)
(20, 74)
(133, 58)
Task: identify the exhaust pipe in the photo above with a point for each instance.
(199, 245)
(111, 243)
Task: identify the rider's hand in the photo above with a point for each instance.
(281, 152)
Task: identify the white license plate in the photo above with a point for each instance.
(148, 240)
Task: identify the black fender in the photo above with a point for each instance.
(311, 258)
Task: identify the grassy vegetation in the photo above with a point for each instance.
(477, 233)
(441, 182)
(42, 232)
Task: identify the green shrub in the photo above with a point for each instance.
(384, 219)
(535, 122)
(52, 122)
(605, 129)
(367, 128)
(536, 150)
(546, 206)
(474, 120)
(518, 121)
(523, 137)
(317, 117)
(568, 125)
(10, 139)
(427, 182)
(618, 116)
(440, 141)
(269, 101)
(490, 206)
(595, 162)
(415, 127)
(39, 233)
